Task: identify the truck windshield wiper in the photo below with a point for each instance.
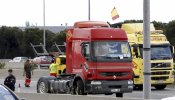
(154, 58)
(166, 57)
(114, 56)
(160, 57)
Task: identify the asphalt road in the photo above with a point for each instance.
(155, 94)
(37, 73)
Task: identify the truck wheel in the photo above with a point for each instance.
(119, 94)
(160, 87)
(42, 86)
(138, 87)
(79, 89)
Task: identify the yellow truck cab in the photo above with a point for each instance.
(161, 56)
(61, 61)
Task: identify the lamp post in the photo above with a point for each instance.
(44, 31)
(146, 50)
(89, 10)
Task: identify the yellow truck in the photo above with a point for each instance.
(61, 61)
(162, 67)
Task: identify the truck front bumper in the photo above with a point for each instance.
(105, 87)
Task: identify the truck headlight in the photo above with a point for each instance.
(130, 82)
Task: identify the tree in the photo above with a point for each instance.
(35, 36)
(170, 32)
(133, 21)
(11, 41)
(159, 25)
(60, 37)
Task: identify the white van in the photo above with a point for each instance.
(19, 59)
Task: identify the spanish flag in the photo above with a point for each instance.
(114, 14)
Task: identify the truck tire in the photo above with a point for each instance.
(138, 87)
(43, 84)
(119, 94)
(160, 87)
(42, 87)
(79, 89)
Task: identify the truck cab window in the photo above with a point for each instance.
(86, 50)
(159, 52)
(110, 51)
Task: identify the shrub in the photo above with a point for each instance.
(2, 65)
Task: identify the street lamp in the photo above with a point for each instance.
(44, 31)
(89, 10)
(146, 50)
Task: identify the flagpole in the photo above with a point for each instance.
(89, 10)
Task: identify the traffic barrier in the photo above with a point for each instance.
(37, 96)
(19, 87)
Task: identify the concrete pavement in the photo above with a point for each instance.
(37, 73)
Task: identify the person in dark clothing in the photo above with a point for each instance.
(27, 73)
(10, 80)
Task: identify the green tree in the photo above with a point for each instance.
(60, 37)
(159, 25)
(170, 32)
(35, 36)
(133, 21)
(11, 42)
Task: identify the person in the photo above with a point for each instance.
(10, 80)
(27, 72)
(53, 68)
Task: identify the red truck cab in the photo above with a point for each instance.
(100, 57)
(98, 61)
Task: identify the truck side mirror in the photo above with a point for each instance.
(135, 51)
(172, 49)
(172, 52)
(86, 51)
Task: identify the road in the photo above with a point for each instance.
(155, 94)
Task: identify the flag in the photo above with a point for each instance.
(114, 14)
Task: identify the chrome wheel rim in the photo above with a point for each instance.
(42, 87)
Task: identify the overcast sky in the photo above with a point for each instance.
(17, 12)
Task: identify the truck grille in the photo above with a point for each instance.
(160, 73)
(115, 87)
(114, 73)
(160, 78)
(160, 65)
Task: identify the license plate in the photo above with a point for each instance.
(115, 90)
(160, 81)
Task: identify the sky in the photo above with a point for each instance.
(60, 12)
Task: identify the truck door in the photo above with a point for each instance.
(88, 66)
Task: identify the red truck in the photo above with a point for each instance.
(98, 61)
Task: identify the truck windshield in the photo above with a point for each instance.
(160, 52)
(110, 51)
